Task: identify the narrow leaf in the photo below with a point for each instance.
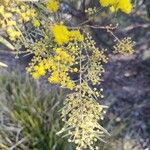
(3, 65)
(6, 43)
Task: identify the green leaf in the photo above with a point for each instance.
(6, 43)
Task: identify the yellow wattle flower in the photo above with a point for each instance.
(36, 23)
(53, 5)
(115, 5)
(125, 6)
(61, 34)
(106, 3)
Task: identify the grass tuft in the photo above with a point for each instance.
(29, 117)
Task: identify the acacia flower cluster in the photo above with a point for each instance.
(77, 55)
(115, 5)
(61, 60)
(58, 66)
(53, 5)
(83, 115)
(62, 35)
(13, 13)
(124, 46)
(81, 111)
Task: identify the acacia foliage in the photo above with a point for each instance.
(63, 50)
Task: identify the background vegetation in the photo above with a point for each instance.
(29, 114)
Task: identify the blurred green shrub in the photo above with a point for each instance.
(29, 117)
